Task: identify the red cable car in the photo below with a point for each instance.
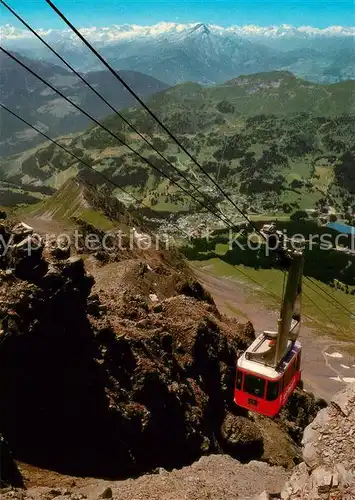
(263, 388)
(270, 369)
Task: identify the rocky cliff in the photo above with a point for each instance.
(328, 469)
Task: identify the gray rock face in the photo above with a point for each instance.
(344, 401)
(328, 470)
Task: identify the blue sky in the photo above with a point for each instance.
(318, 13)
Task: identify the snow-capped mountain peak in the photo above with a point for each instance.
(174, 52)
(200, 29)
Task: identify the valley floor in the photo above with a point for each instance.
(327, 367)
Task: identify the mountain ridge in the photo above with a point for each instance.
(36, 103)
(298, 132)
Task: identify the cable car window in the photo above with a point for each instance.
(292, 369)
(294, 366)
(254, 385)
(298, 361)
(239, 380)
(272, 391)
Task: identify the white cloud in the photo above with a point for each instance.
(132, 31)
(8, 32)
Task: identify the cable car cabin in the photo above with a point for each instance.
(263, 388)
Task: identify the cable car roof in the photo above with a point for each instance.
(259, 368)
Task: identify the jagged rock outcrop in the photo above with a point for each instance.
(328, 469)
(299, 412)
(241, 437)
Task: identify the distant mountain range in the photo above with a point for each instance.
(131, 31)
(207, 54)
(38, 104)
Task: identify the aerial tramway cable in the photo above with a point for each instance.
(18, 61)
(250, 401)
(115, 184)
(118, 139)
(87, 165)
(151, 113)
(335, 325)
(107, 130)
(225, 221)
(273, 408)
(141, 102)
(352, 314)
(295, 266)
(113, 108)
